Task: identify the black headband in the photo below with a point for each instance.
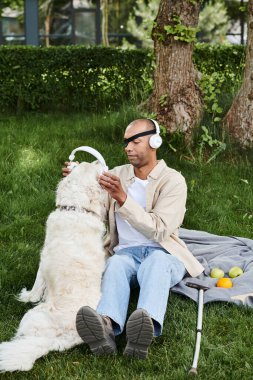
(150, 132)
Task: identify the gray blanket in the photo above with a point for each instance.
(223, 252)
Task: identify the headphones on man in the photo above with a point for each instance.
(155, 141)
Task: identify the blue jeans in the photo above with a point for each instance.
(153, 269)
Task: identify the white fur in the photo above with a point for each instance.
(69, 275)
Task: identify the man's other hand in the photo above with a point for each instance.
(65, 170)
(112, 185)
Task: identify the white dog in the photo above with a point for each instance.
(69, 275)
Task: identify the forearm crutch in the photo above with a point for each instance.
(201, 288)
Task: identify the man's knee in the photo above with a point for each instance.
(158, 260)
(119, 263)
(158, 257)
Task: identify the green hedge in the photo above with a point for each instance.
(69, 78)
(210, 58)
(76, 78)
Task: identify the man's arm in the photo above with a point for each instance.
(165, 217)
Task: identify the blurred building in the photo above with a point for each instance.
(78, 22)
(52, 23)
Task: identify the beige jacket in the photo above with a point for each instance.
(165, 208)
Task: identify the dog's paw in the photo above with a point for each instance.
(26, 296)
(34, 295)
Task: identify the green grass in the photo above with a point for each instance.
(220, 200)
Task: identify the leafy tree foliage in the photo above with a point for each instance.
(216, 17)
(141, 20)
(13, 4)
(214, 22)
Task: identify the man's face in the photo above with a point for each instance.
(138, 151)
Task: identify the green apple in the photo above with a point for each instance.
(217, 273)
(235, 272)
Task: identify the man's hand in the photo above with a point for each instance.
(112, 185)
(65, 170)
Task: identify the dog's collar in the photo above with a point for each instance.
(77, 209)
(67, 208)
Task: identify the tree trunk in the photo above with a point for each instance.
(239, 119)
(104, 9)
(176, 97)
(47, 28)
(47, 8)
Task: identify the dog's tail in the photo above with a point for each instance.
(39, 333)
(21, 353)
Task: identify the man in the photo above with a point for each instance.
(147, 206)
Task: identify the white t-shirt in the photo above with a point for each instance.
(129, 236)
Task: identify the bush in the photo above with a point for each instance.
(210, 58)
(221, 68)
(76, 78)
(70, 78)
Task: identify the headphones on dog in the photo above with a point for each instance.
(155, 141)
(90, 150)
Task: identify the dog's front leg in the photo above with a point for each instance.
(37, 292)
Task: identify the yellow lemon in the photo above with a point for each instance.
(235, 272)
(217, 273)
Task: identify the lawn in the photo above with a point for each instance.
(220, 200)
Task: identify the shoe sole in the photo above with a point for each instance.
(140, 332)
(90, 328)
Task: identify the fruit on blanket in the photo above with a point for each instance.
(217, 273)
(224, 282)
(235, 272)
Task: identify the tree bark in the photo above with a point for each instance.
(239, 119)
(47, 8)
(176, 97)
(104, 9)
(47, 26)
